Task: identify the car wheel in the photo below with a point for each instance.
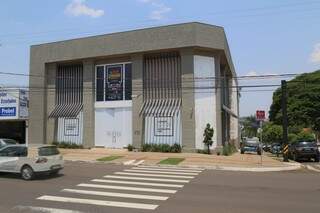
(317, 159)
(27, 173)
(295, 157)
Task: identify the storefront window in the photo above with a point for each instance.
(99, 83)
(113, 82)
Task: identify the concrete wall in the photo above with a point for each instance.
(187, 111)
(50, 96)
(137, 100)
(205, 99)
(88, 103)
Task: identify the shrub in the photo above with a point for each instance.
(130, 148)
(203, 151)
(176, 148)
(67, 145)
(207, 137)
(229, 149)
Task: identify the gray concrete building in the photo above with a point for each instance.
(155, 85)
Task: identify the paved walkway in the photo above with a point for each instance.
(191, 159)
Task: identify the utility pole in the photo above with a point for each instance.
(284, 121)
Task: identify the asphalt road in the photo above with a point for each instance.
(208, 191)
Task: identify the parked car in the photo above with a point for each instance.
(30, 161)
(304, 150)
(7, 141)
(276, 148)
(251, 145)
(266, 147)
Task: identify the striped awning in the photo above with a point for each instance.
(66, 110)
(160, 107)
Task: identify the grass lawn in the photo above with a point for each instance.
(172, 161)
(109, 158)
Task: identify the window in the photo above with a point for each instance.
(114, 82)
(99, 83)
(14, 151)
(48, 151)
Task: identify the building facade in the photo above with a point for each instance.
(14, 114)
(156, 85)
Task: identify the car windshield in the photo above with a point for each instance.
(252, 143)
(48, 151)
(9, 141)
(306, 144)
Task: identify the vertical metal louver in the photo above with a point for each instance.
(162, 98)
(69, 91)
(161, 85)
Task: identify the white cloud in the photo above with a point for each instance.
(159, 9)
(315, 55)
(79, 8)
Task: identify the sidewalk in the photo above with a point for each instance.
(236, 162)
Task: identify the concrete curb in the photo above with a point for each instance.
(312, 169)
(288, 167)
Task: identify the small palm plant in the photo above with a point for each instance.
(208, 134)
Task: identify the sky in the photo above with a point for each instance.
(265, 36)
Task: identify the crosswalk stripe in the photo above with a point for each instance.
(129, 162)
(138, 163)
(99, 202)
(112, 194)
(153, 175)
(148, 179)
(164, 169)
(43, 209)
(138, 183)
(170, 167)
(128, 188)
(160, 172)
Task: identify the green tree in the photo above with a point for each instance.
(303, 103)
(208, 134)
(250, 126)
(272, 133)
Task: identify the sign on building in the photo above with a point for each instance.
(163, 126)
(13, 104)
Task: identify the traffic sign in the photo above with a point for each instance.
(260, 115)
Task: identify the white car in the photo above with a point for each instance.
(29, 161)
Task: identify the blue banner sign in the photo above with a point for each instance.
(8, 111)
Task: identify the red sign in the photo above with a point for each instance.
(260, 115)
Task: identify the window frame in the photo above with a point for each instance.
(105, 79)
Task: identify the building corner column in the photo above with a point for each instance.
(137, 101)
(88, 104)
(188, 103)
(218, 130)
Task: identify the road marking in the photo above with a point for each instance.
(149, 179)
(128, 188)
(112, 194)
(129, 162)
(160, 169)
(154, 175)
(43, 209)
(160, 172)
(170, 167)
(138, 183)
(99, 202)
(138, 163)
